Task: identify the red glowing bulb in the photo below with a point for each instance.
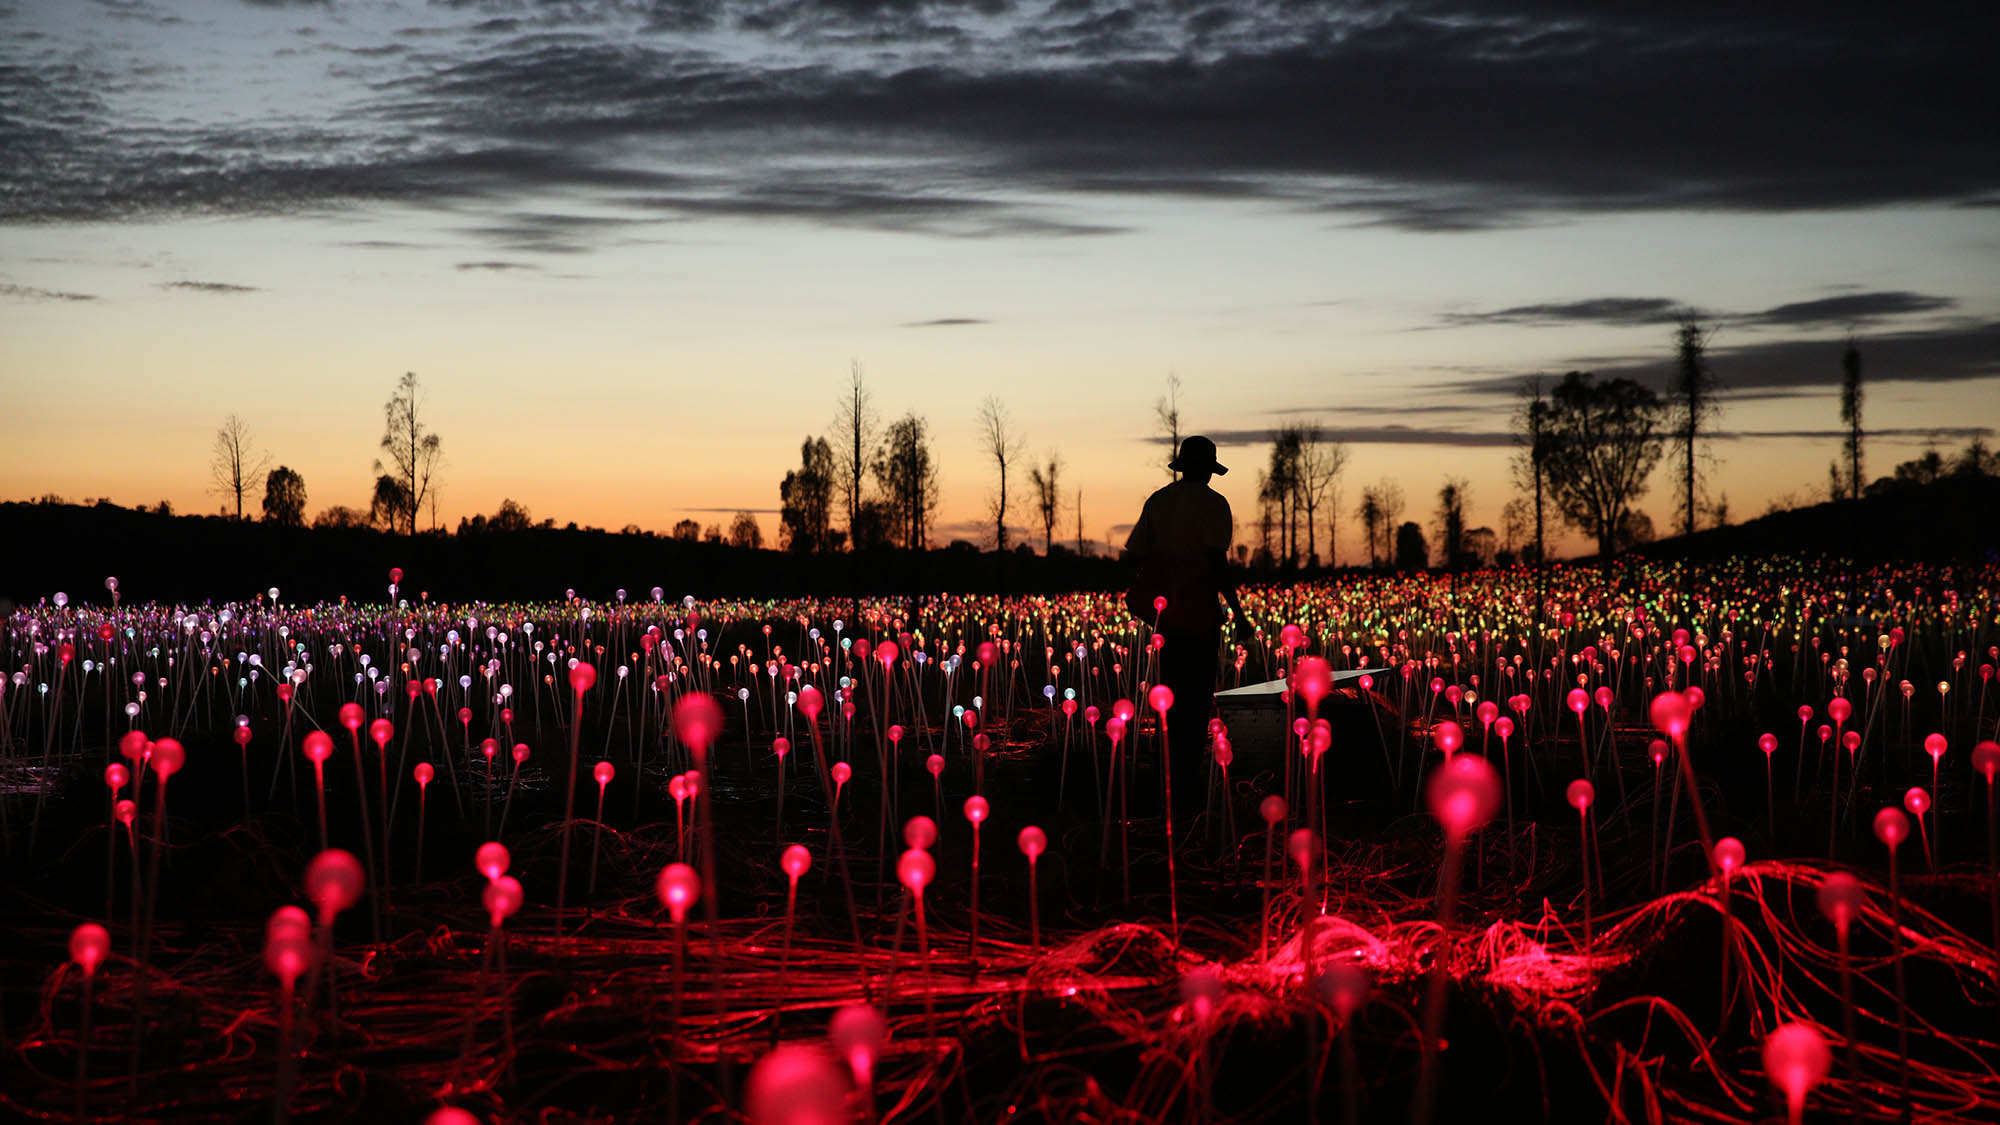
(582, 677)
(920, 832)
(492, 860)
(1797, 1059)
(1986, 760)
(133, 745)
(1579, 700)
(857, 1032)
(125, 811)
(1463, 794)
(795, 861)
(841, 772)
(502, 898)
(241, 736)
(887, 652)
(976, 809)
(465, 716)
(1580, 794)
(1729, 855)
(1918, 801)
(318, 746)
(1670, 712)
(333, 882)
(679, 888)
(1504, 727)
(1768, 743)
(1489, 712)
(895, 732)
(1840, 898)
(1313, 680)
(89, 945)
(935, 763)
(603, 772)
(1123, 710)
(810, 703)
(350, 716)
(380, 732)
(1448, 736)
(1934, 745)
(116, 777)
(520, 753)
(797, 1085)
(1033, 842)
(697, 721)
(1838, 709)
(168, 757)
(1272, 809)
(1891, 826)
(916, 869)
(1160, 699)
(451, 1115)
(423, 773)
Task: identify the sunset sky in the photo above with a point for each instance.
(630, 247)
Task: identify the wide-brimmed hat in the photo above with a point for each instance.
(1197, 454)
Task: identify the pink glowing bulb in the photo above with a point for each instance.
(423, 773)
(1123, 710)
(1840, 898)
(916, 869)
(133, 745)
(677, 788)
(1504, 727)
(1797, 1059)
(489, 747)
(116, 777)
(1345, 987)
(935, 764)
(1918, 801)
(1851, 740)
(520, 753)
(288, 953)
(841, 772)
(1670, 712)
(810, 703)
(1090, 715)
(857, 1032)
(507, 716)
(1603, 697)
(1729, 855)
(492, 860)
(981, 743)
(1986, 760)
(1300, 726)
(350, 716)
(1272, 809)
(920, 832)
(1313, 680)
(1838, 709)
(797, 1085)
(451, 1115)
(89, 945)
(988, 652)
(971, 719)
(288, 921)
(1201, 992)
(318, 747)
(697, 721)
(168, 757)
(1805, 713)
(380, 732)
(895, 734)
(1160, 699)
(1934, 745)
(679, 888)
(795, 861)
(1825, 732)
(1449, 737)
(582, 677)
(1579, 700)
(1291, 637)
(603, 772)
(862, 648)
(1768, 743)
(887, 652)
(396, 574)
(1463, 794)
(1488, 713)
(1033, 842)
(1437, 684)
(502, 898)
(1302, 845)
(977, 810)
(1695, 697)
(333, 882)
(781, 746)
(1891, 826)
(1580, 794)
(126, 811)
(1225, 754)
(241, 736)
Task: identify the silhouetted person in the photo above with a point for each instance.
(1181, 546)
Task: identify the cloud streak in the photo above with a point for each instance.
(216, 288)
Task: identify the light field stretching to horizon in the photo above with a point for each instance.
(632, 247)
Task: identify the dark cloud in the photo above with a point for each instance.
(497, 267)
(1787, 367)
(30, 293)
(1441, 116)
(1851, 308)
(215, 287)
(1366, 435)
(945, 322)
(1596, 310)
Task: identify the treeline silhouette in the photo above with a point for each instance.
(72, 548)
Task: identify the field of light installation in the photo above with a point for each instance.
(1706, 842)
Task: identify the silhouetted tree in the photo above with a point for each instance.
(874, 526)
(745, 532)
(1369, 512)
(687, 531)
(413, 450)
(854, 427)
(806, 499)
(1048, 497)
(1320, 463)
(390, 506)
(1976, 460)
(907, 475)
(713, 534)
(1515, 516)
(997, 439)
(340, 515)
(284, 498)
(1603, 441)
(1531, 458)
(1481, 546)
(1451, 522)
(1167, 411)
(1850, 413)
(1281, 488)
(1412, 553)
(1079, 524)
(234, 465)
(1692, 393)
(512, 516)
